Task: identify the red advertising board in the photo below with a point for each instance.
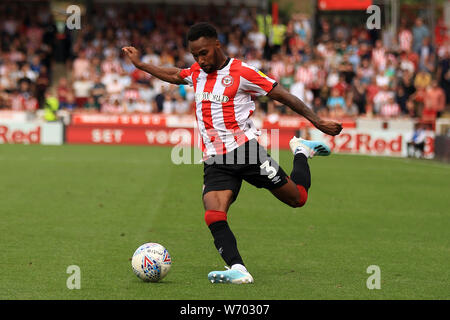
(373, 142)
(298, 123)
(106, 134)
(277, 131)
(119, 119)
(20, 133)
(344, 4)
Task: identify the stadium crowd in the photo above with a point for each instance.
(341, 71)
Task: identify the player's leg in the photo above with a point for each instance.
(216, 205)
(221, 189)
(292, 194)
(295, 191)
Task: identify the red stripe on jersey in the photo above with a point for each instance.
(194, 70)
(229, 115)
(203, 147)
(207, 117)
(195, 73)
(253, 76)
(185, 73)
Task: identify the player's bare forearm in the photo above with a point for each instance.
(283, 96)
(168, 74)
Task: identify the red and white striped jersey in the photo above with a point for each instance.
(131, 94)
(405, 39)
(224, 104)
(390, 110)
(304, 75)
(379, 57)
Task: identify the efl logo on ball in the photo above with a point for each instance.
(151, 262)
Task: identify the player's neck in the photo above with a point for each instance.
(223, 62)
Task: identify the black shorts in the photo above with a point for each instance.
(249, 162)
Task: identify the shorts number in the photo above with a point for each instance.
(271, 171)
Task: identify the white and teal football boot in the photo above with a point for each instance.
(309, 148)
(235, 274)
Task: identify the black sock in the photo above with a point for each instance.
(300, 172)
(225, 242)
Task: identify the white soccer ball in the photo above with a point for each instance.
(151, 262)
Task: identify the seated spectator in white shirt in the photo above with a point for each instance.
(82, 89)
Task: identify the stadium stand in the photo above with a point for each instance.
(341, 72)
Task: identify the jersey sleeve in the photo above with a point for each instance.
(187, 74)
(255, 82)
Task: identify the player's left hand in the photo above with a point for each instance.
(330, 127)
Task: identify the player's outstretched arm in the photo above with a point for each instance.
(282, 95)
(168, 74)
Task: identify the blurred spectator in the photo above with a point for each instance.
(82, 89)
(366, 71)
(382, 80)
(405, 36)
(98, 91)
(343, 67)
(81, 66)
(443, 74)
(257, 38)
(91, 105)
(401, 98)
(62, 91)
(435, 98)
(351, 107)
(359, 95)
(298, 90)
(372, 90)
(42, 84)
(381, 98)
(114, 88)
(426, 55)
(336, 103)
(416, 144)
(407, 83)
(113, 106)
(26, 72)
(141, 106)
(422, 79)
(390, 109)
(71, 102)
(51, 105)
(319, 107)
(419, 31)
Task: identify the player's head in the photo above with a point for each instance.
(205, 46)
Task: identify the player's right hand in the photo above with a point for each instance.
(133, 54)
(330, 127)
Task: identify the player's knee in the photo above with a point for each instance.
(302, 197)
(212, 216)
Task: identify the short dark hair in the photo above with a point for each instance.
(201, 29)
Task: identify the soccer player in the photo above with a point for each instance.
(223, 87)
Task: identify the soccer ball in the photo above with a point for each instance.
(151, 262)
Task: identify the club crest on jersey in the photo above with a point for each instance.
(227, 81)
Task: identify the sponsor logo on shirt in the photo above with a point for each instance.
(209, 96)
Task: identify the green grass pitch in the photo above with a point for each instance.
(92, 206)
